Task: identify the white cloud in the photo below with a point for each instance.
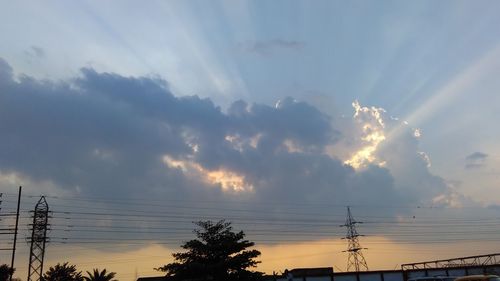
(371, 134)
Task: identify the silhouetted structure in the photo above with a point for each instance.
(356, 260)
(38, 240)
(16, 230)
(471, 265)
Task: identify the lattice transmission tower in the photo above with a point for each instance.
(38, 239)
(356, 260)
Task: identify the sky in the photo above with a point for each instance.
(136, 118)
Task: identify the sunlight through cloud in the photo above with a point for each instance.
(372, 124)
(228, 180)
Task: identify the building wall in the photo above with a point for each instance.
(369, 276)
(458, 271)
(398, 275)
(308, 278)
(345, 277)
(319, 278)
(372, 277)
(394, 276)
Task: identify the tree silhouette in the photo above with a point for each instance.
(218, 253)
(62, 272)
(5, 272)
(97, 275)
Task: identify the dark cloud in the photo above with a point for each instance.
(476, 156)
(475, 160)
(105, 135)
(84, 138)
(267, 47)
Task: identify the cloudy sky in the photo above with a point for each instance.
(135, 119)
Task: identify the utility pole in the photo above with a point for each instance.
(356, 260)
(15, 234)
(38, 240)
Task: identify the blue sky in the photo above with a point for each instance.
(92, 77)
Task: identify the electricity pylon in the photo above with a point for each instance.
(356, 260)
(38, 240)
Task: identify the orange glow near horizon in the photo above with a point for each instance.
(382, 254)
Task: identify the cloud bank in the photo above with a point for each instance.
(106, 135)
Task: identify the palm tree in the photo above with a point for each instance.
(5, 272)
(97, 275)
(63, 272)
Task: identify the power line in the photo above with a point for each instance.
(285, 225)
(150, 201)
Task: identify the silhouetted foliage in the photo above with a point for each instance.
(5, 272)
(97, 275)
(218, 254)
(62, 272)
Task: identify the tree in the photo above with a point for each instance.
(5, 272)
(63, 272)
(97, 275)
(218, 253)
